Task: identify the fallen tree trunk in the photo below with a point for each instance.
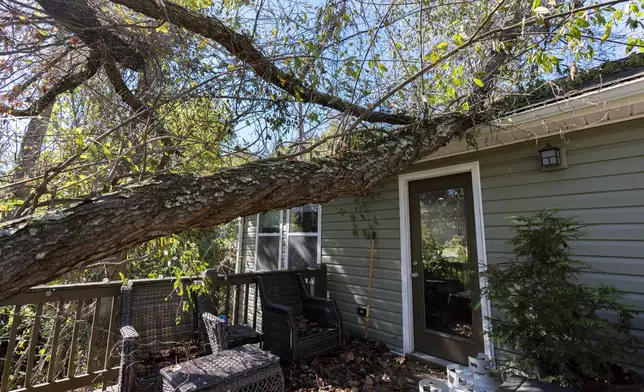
(36, 249)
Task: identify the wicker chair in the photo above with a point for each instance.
(286, 306)
(148, 325)
(216, 331)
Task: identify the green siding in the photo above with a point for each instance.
(345, 249)
(603, 186)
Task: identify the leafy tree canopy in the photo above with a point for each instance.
(98, 95)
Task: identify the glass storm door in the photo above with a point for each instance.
(445, 284)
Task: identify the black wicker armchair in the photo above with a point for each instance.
(296, 325)
(149, 324)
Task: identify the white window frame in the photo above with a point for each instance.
(278, 234)
(318, 234)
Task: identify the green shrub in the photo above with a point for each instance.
(567, 331)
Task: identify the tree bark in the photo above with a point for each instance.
(79, 18)
(30, 150)
(36, 249)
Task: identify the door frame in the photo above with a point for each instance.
(405, 246)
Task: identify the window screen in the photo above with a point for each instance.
(268, 253)
(302, 252)
(269, 237)
(303, 237)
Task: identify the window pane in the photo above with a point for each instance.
(302, 252)
(268, 253)
(446, 262)
(304, 219)
(548, 153)
(269, 222)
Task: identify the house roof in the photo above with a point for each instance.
(607, 94)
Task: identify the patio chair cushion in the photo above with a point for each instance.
(243, 365)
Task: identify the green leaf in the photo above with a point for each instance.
(79, 143)
(478, 82)
(106, 151)
(607, 31)
(582, 23)
(575, 32)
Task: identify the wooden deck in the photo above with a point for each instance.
(64, 337)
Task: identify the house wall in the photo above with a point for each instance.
(247, 255)
(603, 186)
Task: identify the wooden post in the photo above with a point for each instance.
(93, 336)
(246, 290)
(33, 341)
(110, 332)
(320, 288)
(51, 371)
(255, 306)
(6, 372)
(75, 329)
(236, 303)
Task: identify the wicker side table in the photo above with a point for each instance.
(246, 368)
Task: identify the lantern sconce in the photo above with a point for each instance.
(552, 158)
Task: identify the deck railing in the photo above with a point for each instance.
(239, 293)
(61, 337)
(64, 337)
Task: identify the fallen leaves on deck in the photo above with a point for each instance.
(361, 365)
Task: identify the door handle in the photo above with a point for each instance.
(415, 263)
(414, 275)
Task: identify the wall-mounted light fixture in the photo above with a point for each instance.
(552, 158)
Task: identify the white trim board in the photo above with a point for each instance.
(589, 110)
(405, 246)
(240, 244)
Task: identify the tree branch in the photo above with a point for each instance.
(78, 17)
(64, 85)
(37, 249)
(115, 78)
(242, 48)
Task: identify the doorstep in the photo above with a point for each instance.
(436, 371)
(429, 360)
